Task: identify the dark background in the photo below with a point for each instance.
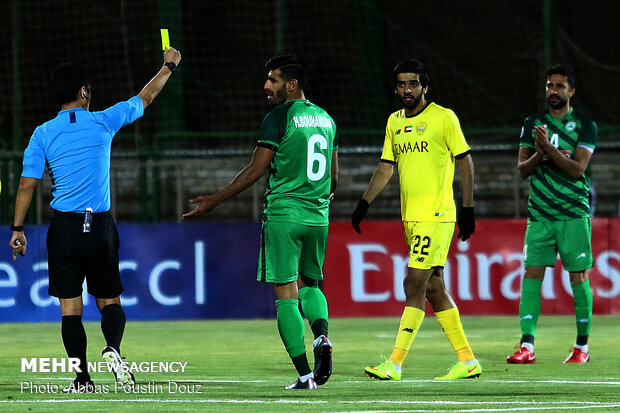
(486, 61)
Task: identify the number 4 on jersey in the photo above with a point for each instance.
(555, 140)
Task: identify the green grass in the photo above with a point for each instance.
(242, 366)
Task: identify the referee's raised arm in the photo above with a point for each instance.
(83, 241)
(172, 57)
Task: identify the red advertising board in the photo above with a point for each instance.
(364, 273)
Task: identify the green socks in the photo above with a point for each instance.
(582, 300)
(314, 306)
(291, 324)
(291, 327)
(529, 307)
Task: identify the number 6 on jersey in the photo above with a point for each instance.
(316, 157)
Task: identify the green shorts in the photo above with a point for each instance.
(288, 251)
(572, 239)
(428, 243)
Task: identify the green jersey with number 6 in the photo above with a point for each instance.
(299, 177)
(555, 195)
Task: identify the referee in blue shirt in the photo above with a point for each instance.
(82, 241)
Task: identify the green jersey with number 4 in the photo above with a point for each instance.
(555, 195)
(299, 177)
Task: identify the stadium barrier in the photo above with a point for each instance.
(208, 270)
(483, 274)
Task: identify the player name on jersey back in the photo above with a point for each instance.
(312, 122)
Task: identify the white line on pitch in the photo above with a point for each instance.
(456, 402)
(510, 409)
(531, 405)
(176, 381)
(167, 401)
(608, 383)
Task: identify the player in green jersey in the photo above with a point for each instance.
(297, 150)
(555, 150)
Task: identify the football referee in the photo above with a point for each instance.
(82, 240)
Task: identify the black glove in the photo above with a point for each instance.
(467, 223)
(358, 215)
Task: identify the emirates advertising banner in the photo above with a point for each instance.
(200, 270)
(364, 273)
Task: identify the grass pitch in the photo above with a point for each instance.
(235, 366)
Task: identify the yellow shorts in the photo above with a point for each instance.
(428, 243)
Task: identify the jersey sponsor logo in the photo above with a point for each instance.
(420, 127)
(408, 129)
(405, 147)
(570, 126)
(312, 122)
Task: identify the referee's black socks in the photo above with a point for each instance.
(74, 339)
(113, 325)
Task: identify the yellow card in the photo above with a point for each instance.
(165, 40)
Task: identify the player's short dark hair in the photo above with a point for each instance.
(564, 71)
(66, 81)
(412, 66)
(291, 67)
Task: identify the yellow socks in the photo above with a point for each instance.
(410, 323)
(450, 322)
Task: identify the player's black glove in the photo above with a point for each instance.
(358, 215)
(467, 223)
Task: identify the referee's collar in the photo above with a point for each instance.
(72, 109)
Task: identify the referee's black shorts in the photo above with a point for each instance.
(73, 255)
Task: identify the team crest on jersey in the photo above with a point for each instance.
(570, 126)
(408, 129)
(420, 127)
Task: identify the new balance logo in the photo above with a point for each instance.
(408, 330)
(527, 317)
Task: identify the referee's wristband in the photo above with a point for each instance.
(18, 228)
(171, 65)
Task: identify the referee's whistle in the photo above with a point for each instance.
(88, 218)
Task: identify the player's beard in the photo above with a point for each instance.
(414, 103)
(279, 96)
(558, 104)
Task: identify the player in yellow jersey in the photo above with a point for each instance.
(425, 141)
